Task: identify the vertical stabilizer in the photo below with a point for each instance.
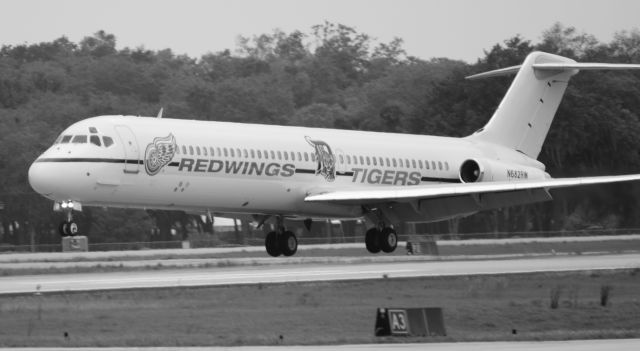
(524, 116)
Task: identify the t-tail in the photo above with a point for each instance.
(522, 120)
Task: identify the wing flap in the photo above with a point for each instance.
(403, 194)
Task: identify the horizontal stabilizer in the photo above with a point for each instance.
(559, 66)
(410, 193)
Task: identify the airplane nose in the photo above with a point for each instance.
(38, 178)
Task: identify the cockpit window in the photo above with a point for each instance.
(65, 139)
(79, 139)
(107, 141)
(93, 130)
(94, 139)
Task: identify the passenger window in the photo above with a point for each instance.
(395, 164)
(420, 164)
(381, 161)
(375, 162)
(245, 153)
(348, 159)
(177, 150)
(400, 162)
(94, 139)
(239, 154)
(273, 155)
(220, 151)
(93, 130)
(198, 150)
(253, 153)
(433, 165)
(226, 152)
(313, 157)
(362, 160)
(184, 150)
(286, 156)
(426, 163)
(233, 154)
(413, 163)
(439, 165)
(204, 151)
(406, 163)
(212, 151)
(259, 154)
(107, 141)
(341, 158)
(299, 156)
(79, 139)
(279, 155)
(446, 166)
(368, 161)
(306, 157)
(388, 163)
(190, 150)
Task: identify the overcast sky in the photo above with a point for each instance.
(457, 29)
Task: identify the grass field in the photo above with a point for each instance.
(475, 308)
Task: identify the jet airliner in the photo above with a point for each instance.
(278, 172)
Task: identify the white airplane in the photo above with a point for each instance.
(303, 173)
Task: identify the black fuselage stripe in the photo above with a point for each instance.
(306, 171)
(91, 160)
(176, 164)
(442, 180)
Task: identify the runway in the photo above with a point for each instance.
(568, 345)
(305, 273)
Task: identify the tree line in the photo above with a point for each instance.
(330, 76)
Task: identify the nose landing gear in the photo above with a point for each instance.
(67, 227)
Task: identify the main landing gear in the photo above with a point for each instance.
(281, 241)
(385, 240)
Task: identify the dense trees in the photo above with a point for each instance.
(331, 76)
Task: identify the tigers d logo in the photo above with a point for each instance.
(159, 153)
(326, 159)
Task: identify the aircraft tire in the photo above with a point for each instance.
(72, 228)
(388, 240)
(371, 240)
(288, 243)
(271, 244)
(63, 229)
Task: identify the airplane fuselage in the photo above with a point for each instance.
(243, 168)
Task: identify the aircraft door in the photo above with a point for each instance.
(131, 151)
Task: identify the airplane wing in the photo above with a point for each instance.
(409, 193)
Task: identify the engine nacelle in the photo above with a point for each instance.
(483, 170)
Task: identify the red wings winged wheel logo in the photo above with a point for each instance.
(159, 153)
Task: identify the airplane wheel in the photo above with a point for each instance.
(62, 229)
(371, 240)
(72, 228)
(271, 244)
(388, 240)
(288, 243)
